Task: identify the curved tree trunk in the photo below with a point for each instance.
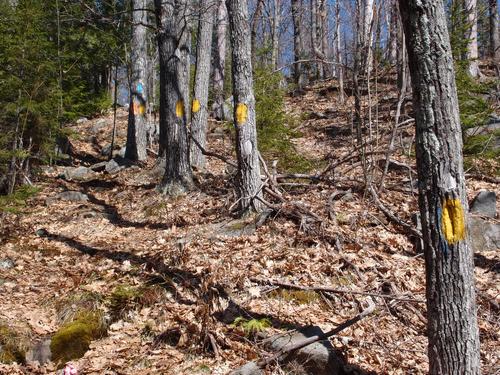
(173, 47)
(220, 61)
(136, 131)
(202, 76)
(451, 308)
(249, 184)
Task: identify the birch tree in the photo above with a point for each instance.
(173, 47)
(452, 328)
(199, 108)
(137, 122)
(248, 178)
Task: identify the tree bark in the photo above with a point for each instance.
(199, 108)
(136, 131)
(249, 184)
(339, 69)
(173, 46)
(220, 61)
(494, 31)
(275, 33)
(298, 44)
(472, 50)
(451, 308)
(255, 26)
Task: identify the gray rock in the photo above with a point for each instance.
(484, 236)
(106, 150)
(7, 264)
(318, 358)
(81, 120)
(40, 352)
(74, 196)
(249, 368)
(77, 173)
(121, 153)
(113, 167)
(99, 125)
(484, 204)
(99, 167)
(492, 127)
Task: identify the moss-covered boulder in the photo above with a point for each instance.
(12, 348)
(73, 339)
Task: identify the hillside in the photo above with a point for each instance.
(170, 276)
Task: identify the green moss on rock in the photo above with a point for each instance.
(73, 339)
(11, 346)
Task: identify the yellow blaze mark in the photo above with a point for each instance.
(179, 108)
(241, 113)
(453, 221)
(139, 109)
(196, 106)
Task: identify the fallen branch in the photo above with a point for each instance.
(300, 344)
(328, 289)
(213, 154)
(393, 217)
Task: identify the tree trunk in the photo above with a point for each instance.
(494, 31)
(393, 33)
(339, 69)
(136, 132)
(451, 308)
(367, 33)
(317, 70)
(173, 46)
(255, 26)
(323, 36)
(220, 61)
(199, 108)
(249, 184)
(472, 50)
(298, 45)
(275, 33)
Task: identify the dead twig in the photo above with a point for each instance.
(300, 344)
(213, 154)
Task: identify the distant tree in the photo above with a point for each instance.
(451, 308)
(472, 48)
(494, 31)
(220, 60)
(173, 47)
(137, 123)
(249, 183)
(299, 52)
(202, 77)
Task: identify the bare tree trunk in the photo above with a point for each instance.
(255, 26)
(318, 67)
(249, 183)
(275, 33)
(494, 31)
(136, 132)
(298, 44)
(367, 32)
(339, 68)
(451, 308)
(472, 50)
(220, 61)
(173, 46)
(323, 36)
(202, 77)
(393, 33)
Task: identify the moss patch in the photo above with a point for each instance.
(15, 202)
(12, 348)
(73, 339)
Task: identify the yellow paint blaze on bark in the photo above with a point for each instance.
(179, 108)
(241, 113)
(196, 106)
(139, 109)
(453, 221)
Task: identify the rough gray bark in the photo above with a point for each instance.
(257, 15)
(220, 61)
(275, 33)
(137, 122)
(451, 308)
(338, 48)
(173, 47)
(298, 44)
(249, 184)
(494, 31)
(199, 108)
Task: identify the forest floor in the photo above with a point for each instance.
(194, 269)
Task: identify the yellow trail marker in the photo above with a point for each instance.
(241, 113)
(179, 108)
(139, 109)
(453, 221)
(196, 106)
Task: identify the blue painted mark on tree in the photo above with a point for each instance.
(140, 89)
